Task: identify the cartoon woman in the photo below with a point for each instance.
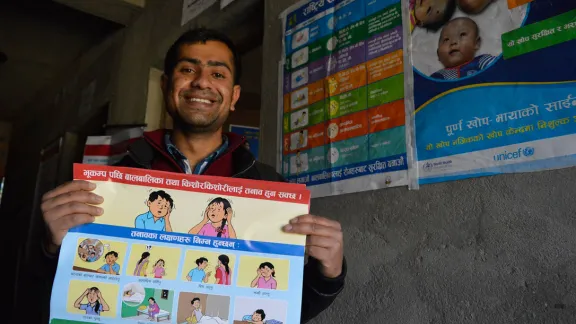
(264, 277)
(158, 270)
(95, 304)
(223, 271)
(217, 220)
(153, 308)
(142, 265)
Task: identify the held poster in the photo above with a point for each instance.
(178, 248)
(494, 87)
(342, 89)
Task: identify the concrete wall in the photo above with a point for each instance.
(490, 250)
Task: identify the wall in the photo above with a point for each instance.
(490, 250)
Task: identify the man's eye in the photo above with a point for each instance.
(218, 75)
(463, 34)
(187, 70)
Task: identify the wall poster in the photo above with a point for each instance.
(342, 90)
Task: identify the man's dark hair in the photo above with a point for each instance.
(114, 253)
(161, 193)
(201, 36)
(448, 13)
(201, 260)
(261, 312)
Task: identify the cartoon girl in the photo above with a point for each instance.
(158, 269)
(223, 271)
(264, 277)
(153, 308)
(142, 265)
(95, 304)
(217, 220)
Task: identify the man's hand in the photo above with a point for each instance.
(324, 241)
(67, 206)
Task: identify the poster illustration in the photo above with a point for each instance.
(174, 247)
(494, 87)
(342, 88)
(252, 135)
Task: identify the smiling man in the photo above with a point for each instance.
(201, 88)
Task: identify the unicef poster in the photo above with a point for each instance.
(494, 86)
(342, 90)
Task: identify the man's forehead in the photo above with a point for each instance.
(204, 52)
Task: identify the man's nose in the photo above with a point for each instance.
(201, 79)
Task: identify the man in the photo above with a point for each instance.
(199, 274)
(200, 87)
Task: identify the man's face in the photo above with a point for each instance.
(458, 43)
(159, 207)
(216, 212)
(430, 11)
(200, 92)
(196, 304)
(203, 265)
(256, 317)
(111, 259)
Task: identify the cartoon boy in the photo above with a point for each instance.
(300, 139)
(196, 315)
(110, 267)
(257, 317)
(298, 161)
(217, 220)
(459, 41)
(198, 274)
(157, 218)
(431, 14)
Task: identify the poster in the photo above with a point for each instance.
(343, 116)
(252, 135)
(225, 3)
(179, 248)
(193, 8)
(109, 149)
(494, 89)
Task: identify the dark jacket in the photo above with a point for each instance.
(149, 152)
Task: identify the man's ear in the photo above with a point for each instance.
(235, 97)
(164, 84)
(148, 203)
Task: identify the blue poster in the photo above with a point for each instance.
(494, 87)
(252, 135)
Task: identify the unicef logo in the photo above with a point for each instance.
(529, 151)
(427, 166)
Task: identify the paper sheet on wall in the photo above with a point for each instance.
(193, 8)
(343, 117)
(494, 91)
(182, 249)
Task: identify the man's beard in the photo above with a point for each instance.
(197, 127)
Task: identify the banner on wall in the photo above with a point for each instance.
(494, 89)
(193, 8)
(252, 135)
(109, 149)
(342, 89)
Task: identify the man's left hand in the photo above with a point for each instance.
(324, 241)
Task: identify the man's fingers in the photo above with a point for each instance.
(70, 221)
(321, 241)
(70, 209)
(72, 196)
(69, 186)
(312, 229)
(317, 220)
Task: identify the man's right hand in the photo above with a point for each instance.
(68, 206)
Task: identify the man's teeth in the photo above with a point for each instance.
(199, 100)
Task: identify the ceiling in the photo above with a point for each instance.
(40, 38)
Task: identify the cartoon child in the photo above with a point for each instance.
(217, 220)
(199, 274)
(92, 257)
(298, 160)
(431, 14)
(158, 270)
(153, 308)
(459, 41)
(473, 7)
(110, 267)
(223, 275)
(196, 315)
(257, 317)
(301, 139)
(157, 218)
(142, 265)
(300, 120)
(95, 304)
(264, 277)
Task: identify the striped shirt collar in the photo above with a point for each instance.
(183, 161)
